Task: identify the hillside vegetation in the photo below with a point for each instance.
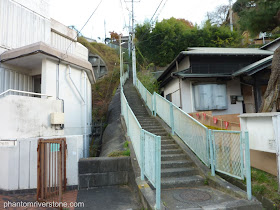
(104, 89)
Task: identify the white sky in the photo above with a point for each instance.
(74, 12)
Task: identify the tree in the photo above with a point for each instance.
(273, 87)
(219, 15)
(257, 15)
(114, 36)
(163, 42)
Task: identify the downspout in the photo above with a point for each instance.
(85, 113)
(180, 88)
(84, 103)
(57, 90)
(69, 73)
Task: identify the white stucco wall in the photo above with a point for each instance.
(74, 106)
(233, 88)
(173, 88)
(262, 128)
(41, 7)
(26, 117)
(187, 96)
(25, 24)
(19, 163)
(10, 78)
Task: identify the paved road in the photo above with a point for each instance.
(108, 198)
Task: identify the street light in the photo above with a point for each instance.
(121, 60)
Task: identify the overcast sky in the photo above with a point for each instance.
(115, 13)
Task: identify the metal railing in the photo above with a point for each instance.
(22, 92)
(146, 145)
(224, 151)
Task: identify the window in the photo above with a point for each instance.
(169, 97)
(210, 97)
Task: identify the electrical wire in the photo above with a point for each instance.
(152, 18)
(82, 28)
(161, 10)
(156, 11)
(123, 14)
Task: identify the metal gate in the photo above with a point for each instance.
(51, 169)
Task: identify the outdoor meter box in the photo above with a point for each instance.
(57, 118)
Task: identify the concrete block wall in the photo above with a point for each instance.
(103, 171)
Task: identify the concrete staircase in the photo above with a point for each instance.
(177, 170)
(179, 174)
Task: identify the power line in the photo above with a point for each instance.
(152, 18)
(156, 11)
(161, 10)
(123, 13)
(83, 26)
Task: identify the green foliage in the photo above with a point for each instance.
(119, 154)
(126, 152)
(163, 42)
(126, 144)
(93, 149)
(258, 189)
(257, 15)
(149, 81)
(265, 184)
(104, 89)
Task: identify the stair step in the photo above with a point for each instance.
(170, 141)
(176, 163)
(184, 181)
(173, 157)
(159, 133)
(152, 127)
(178, 172)
(171, 151)
(169, 146)
(155, 129)
(166, 138)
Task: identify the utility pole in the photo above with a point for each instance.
(230, 15)
(129, 42)
(105, 31)
(133, 48)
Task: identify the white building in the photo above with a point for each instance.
(42, 57)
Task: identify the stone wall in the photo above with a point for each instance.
(103, 171)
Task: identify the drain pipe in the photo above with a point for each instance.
(69, 73)
(84, 103)
(57, 90)
(85, 114)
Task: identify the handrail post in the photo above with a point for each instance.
(142, 153)
(248, 166)
(155, 104)
(158, 171)
(146, 93)
(171, 118)
(210, 137)
(127, 123)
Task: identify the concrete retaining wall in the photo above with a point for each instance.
(103, 171)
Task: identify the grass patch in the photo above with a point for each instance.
(265, 184)
(149, 81)
(104, 89)
(124, 153)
